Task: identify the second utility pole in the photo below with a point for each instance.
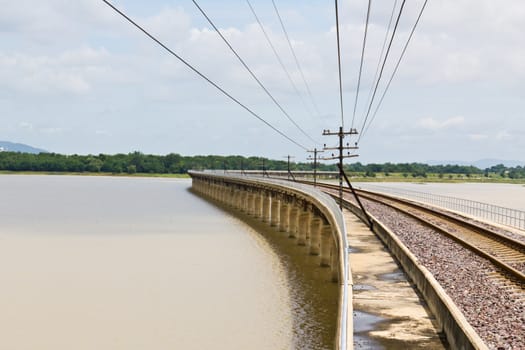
(315, 151)
(289, 172)
(341, 156)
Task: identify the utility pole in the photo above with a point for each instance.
(264, 168)
(370, 223)
(341, 134)
(315, 151)
(289, 172)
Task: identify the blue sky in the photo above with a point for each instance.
(77, 78)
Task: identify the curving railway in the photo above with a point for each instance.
(481, 267)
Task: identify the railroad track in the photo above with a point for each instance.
(506, 253)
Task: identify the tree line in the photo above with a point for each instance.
(137, 162)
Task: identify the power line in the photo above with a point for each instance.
(382, 51)
(295, 58)
(279, 59)
(395, 69)
(251, 72)
(203, 76)
(339, 64)
(362, 59)
(382, 67)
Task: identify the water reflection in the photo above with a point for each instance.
(312, 294)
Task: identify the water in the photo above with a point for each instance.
(505, 195)
(130, 263)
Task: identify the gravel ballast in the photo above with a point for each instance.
(494, 308)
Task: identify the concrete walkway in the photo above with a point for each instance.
(388, 312)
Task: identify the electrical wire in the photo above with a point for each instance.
(288, 75)
(252, 73)
(382, 51)
(204, 76)
(361, 64)
(295, 58)
(339, 64)
(396, 68)
(382, 67)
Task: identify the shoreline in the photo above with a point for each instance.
(418, 180)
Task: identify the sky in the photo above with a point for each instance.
(75, 77)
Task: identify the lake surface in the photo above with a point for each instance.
(131, 263)
(505, 195)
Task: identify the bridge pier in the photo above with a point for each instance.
(251, 203)
(274, 220)
(326, 245)
(239, 202)
(285, 217)
(258, 198)
(294, 222)
(304, 226)
(266, 207)
(222, 193)
(334, 257)
(315, 234)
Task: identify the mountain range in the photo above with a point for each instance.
(6, 146)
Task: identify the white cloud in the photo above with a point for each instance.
(478, 137)
(435, 125)
(25, 125)
(504, 135)
(102, 132)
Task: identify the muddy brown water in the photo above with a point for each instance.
(130, 263)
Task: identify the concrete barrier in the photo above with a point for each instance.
(304, 213)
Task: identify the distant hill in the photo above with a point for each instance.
(6, 146)
(481, 164)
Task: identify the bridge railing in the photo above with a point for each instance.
(501, 215)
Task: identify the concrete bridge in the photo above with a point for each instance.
(315, 221)
(309, 216)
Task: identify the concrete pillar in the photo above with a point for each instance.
(316, 224)
(222, 194)
(229, 196)
(294, 221)
(214, 189)
(238, 199)
(304, 227)
(266, 208)
(258, 205)
(276, 207)
(284, 216)
(334, 262)
(326, 245)
(245, 207)
(249, 203)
